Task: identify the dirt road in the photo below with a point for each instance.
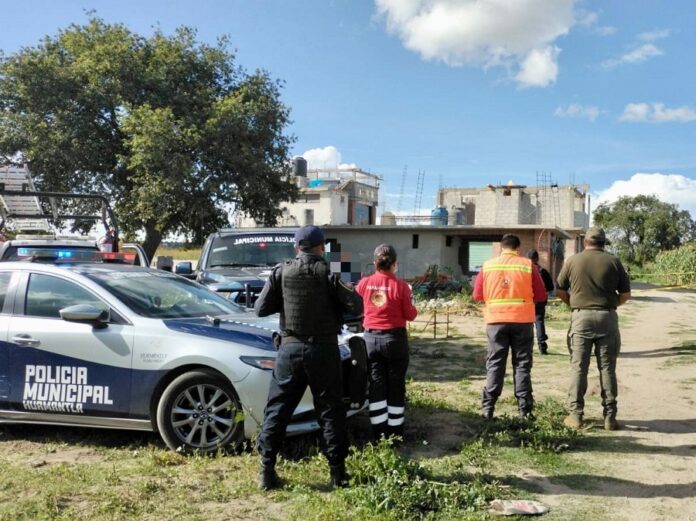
(647, 470)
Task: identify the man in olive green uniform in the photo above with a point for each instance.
(593, 283)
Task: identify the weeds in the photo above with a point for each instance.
(545, 433)
(387, 482)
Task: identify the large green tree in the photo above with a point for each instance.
(173, 130)
(642, 226)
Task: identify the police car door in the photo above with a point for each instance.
(66, 367)
(5, 305)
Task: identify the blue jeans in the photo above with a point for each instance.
(540, 315)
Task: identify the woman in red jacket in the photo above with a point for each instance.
(388, 305)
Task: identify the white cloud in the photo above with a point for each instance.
(576, 110)
(656, 113)
(641, 54)
(590, 19)
(515, 34)
(651, 36)
(325, 158)
(637, 55)
(605, 30)
(539, 68)
(670, 188)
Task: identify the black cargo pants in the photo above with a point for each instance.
(387, 353)
(301, 364)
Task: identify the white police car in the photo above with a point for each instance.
(122, 346)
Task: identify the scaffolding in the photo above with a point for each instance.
(548, 200)
(419, 192)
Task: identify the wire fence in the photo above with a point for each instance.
(433, 320)
(682, 279)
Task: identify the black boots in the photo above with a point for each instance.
(268, 478)
(543, 348)
(339, 476)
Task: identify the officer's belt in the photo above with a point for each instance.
(309, 339)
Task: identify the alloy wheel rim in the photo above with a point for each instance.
(203, 416)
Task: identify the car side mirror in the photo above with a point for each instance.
(184, 268)
(86, 314)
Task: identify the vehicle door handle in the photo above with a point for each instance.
(26, 340)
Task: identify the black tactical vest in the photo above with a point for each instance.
(308, 306)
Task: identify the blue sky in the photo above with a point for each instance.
(472, 93)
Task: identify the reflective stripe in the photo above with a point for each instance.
(508, 290)
(395, 421)
(396, 410)
(375, 406)
(507, 267)
(506, 301)
(376, 420)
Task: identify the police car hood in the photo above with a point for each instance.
(245, 329)
(243, 273)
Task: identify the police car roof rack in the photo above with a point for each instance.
(9, 210)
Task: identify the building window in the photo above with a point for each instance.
(309, 217)
(448, 241)
(343, 199)
(414, 241)
(311, 197)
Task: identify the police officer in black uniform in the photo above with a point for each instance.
(311, 302)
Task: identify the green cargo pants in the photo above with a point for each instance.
(598, 328)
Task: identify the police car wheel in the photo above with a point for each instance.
(200, 411)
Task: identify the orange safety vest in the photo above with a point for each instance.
(507, 290)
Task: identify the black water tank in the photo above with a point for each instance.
(299, 166)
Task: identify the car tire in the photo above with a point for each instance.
(200, 411)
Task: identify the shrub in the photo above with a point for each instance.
(386, 482)
(676, 266)
(545, 433)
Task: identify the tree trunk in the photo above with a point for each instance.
(153, 238)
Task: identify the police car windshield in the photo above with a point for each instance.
(156, 294)
(259, 250)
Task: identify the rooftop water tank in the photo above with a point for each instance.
(299, 166)
(438, 216)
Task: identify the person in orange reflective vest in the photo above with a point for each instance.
(509, 285)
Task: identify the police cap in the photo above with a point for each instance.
(308, 237)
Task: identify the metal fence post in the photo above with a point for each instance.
(435, 324)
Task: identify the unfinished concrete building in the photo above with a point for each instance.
(565, 207)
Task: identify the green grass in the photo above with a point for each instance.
(450, 465)
(191, 254)
(685, 354)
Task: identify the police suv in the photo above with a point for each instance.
(237, 262)
(122, 346)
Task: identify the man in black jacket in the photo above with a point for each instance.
(311, 302)
(540, 307)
